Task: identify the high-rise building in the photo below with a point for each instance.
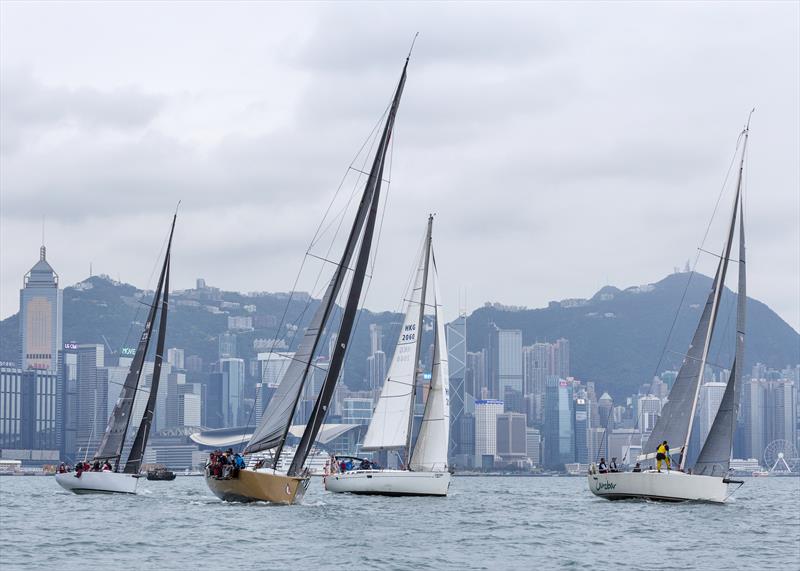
(29, 415)
(486, 411)
(92, 397)
(583, 425)
(533, 445)
(375, 338)
(536, 368)
(505, 361)
(356, 410)
(648, 409)
(770, 413)
(604, 407)
(194, 364)
(559, 435)
(232, 391)
(560, 359)
(457, 364)
(68, 405)
(227, 345)
(512, 436)
(40, 305)
(474, 379)
(376, 369)
(175, 357)
(709, 401)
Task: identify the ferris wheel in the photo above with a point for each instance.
(781, 456)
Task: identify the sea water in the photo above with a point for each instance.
(485, 523)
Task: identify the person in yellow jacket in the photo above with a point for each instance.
(662, 455)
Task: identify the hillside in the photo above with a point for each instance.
(616, 336)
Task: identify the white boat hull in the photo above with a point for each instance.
(389, 483)
(667, 486)
(99, 482)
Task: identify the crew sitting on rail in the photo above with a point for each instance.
(637, 468)
(602, 467)
(613, 466)
(107, 467)
(662, 455)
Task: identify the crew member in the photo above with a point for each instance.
(662, 455)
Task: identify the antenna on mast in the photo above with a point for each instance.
(411, 49)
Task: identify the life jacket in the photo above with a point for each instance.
(661, 449)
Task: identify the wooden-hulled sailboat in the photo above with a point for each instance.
(707, 480)
(113, 442)
(268, 484)
(426, 471)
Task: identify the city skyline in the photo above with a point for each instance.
(625, 164)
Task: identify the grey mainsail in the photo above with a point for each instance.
(320, 409)
(715, 456)
(136, 455)
(274, 427)
(114, 437)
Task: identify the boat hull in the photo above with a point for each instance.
(99, 482)
(662, 486)
(389, 483)
(259, 486)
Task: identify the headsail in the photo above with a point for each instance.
(388, 428)
(136, 455)
(715, 456)
(430, 451)
(114, 436)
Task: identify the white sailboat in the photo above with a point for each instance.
(110, 449)
(270, 483)
(426, 472)
(707, 480)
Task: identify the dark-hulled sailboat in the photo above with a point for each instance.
(707, 480)
(267, 483)
(113, 442)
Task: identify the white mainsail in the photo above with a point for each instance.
(430, 452)
(388, 428)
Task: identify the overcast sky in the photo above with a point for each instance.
(563, 146)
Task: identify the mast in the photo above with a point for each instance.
(114, 436)
(714, 458)
(720, 286)
(136, 455)
(418, 346)
(354, 295)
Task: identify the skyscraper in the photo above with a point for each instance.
(375, 338)
(227, 345)
(582, 426)
(486, 412)
(560, 360)
(232, 391)
(457, 363)
(92, 397)
(40, 304)
(536, 368)
(559, 435)
(505, 362)
(709, 401)
(474, 379)
(512, 436)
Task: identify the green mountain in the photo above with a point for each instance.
(618, 338)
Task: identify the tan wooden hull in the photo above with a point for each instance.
(252, 486)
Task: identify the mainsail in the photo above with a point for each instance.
(320, 409)
(388, 428)
(430, 451)
(715, 456)
(136, 455)
(114, 436)
(274, 427)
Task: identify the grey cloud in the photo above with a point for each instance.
(29, 107)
